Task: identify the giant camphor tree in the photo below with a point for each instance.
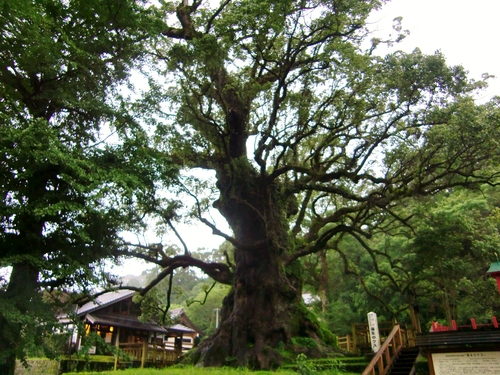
(312, 136)
(75, 166)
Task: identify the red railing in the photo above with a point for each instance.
(383, 359)
(436, 327)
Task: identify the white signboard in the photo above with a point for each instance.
(466, 363)
(373, 331)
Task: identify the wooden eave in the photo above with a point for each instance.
(449, 339)
(124, 322)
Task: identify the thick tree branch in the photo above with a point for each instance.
(187, 30)
(186, 250)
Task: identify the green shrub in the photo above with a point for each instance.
(305, 342)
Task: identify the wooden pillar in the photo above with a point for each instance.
(154, 348)
(354, 338)
(178, 345)
(163, 355)
(429, 361)
(117, 346)
(144, 350)
(415, 321)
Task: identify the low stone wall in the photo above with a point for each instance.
(38, 367)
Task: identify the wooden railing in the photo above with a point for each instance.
(409, 336)
(149, 353)
(386, 354)
(133, 349)
(345, 343)
(348, 344)
(360, 337)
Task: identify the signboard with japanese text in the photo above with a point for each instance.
(466, 363)
(374, 333)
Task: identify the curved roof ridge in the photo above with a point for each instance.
(104, 300)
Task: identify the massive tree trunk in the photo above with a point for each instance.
(19, 298)
(265, 305)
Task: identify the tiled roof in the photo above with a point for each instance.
(494, 267)
(180, 328)
(176, 313)
(104, 300)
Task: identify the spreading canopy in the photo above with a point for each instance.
(76, 167)
(313, 137)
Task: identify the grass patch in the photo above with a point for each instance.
(187, 371)
(329, 366)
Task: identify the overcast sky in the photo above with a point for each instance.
(466, 32)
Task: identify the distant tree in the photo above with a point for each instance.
(311, 138)
(76, 167)
(432, 267)
(201, 308)
(342, 299)
(454, 246)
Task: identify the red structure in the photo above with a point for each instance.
(494, 272)
(436, 327)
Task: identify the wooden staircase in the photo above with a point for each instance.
(405, 361)
(394, 357)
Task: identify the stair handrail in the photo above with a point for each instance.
(414, 369)
(383, 358)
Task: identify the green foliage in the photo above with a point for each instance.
(50, 346)
(102, 348)
(67, 191)
(152, 307)
(305, 342)
(438, 267)
(331, 366)
(334, 366)
(203, 316)
(326, 336)
(304, 367)
(422, 366)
